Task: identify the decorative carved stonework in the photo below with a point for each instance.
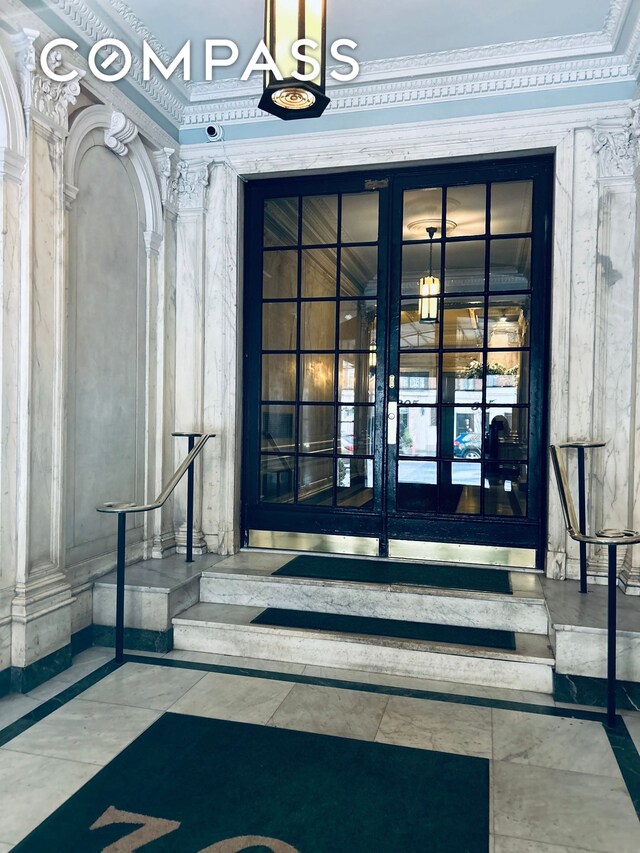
(167, 176)
(119, 134)
(618, 146)
(48, 99)
(191, 184)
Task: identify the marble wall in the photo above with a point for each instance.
(121, 278)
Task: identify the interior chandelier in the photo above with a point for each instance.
(295, 34)
(429, 288)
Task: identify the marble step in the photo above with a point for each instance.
(524, 611)
(227, 629)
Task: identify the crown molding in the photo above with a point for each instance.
(395, 93)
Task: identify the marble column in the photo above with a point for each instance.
(223, 363)
(11, 173)
(191, 188)
(163, 536)
(615, 374)
(41, 607)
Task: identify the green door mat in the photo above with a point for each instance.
(390, 628)
(379, 571)
(188, 784)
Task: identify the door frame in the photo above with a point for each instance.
(336, 523)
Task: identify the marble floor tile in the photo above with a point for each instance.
(557, 742)
(90, 732)
(632, 722)
(439, 726)
(142, 685)
(520, 845)
(14, 706)
(564, 808)
(33, 787)
(4, 848)
(237, 662)
(411, 683)
(83, 664)
(331, 711)
(233, 697)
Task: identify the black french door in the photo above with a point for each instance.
(396, 338)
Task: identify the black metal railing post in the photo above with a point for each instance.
(612, 582)
(123, 509)
(581, 446)
(191, 438)
(120, 567)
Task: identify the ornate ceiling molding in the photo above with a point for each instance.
(397, 93)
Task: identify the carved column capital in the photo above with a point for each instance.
(192, 181)
(617, 145)
(46, 99)
(120, 134)
(167, 176)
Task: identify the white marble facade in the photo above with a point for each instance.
(121, 289)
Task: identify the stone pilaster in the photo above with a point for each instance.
(41, 607)
(615, 417)
(190, 189)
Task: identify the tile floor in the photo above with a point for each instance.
(555, 784)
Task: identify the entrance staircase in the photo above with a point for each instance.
(237, 590)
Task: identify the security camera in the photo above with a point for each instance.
(214, 133)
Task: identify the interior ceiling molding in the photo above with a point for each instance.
(537, 64)
(397, 93)
(93, 28)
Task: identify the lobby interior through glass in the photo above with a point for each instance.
(368, 405)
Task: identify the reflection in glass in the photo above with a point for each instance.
(279, 321)
(315, 481)
(280, 275)
(422, 210)
(511, 205)
(319, 220)
(418, 431)
(278, 428)
(354, 482)
(416, 263)
(317, 429)
(505, 489)
(357, 324)
(509, 321)
(355, 430)
(319, 270)
(360, 217)
(463, 436)
(463, 323)
(506, 433)
(414, 334)
(276, 479)
(417, 489)
(281, 222)
(467, 207)
(316, 377)
(419, 378)
(508, 378)
(460, 490)
(318, 325)
(462, 374)
(465, 263)
(279, 377)
(510, 264)
(356, 379)
(359, 271)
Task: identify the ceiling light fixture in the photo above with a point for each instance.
(295, 35)
(429, 288)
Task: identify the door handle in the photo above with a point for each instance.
(392, 423)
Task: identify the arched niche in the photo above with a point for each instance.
(114, 206)
(12, 126)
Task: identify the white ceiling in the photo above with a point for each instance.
(382, 29)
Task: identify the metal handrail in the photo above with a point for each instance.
(612, 539)
(123, 509)
(113, 507)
